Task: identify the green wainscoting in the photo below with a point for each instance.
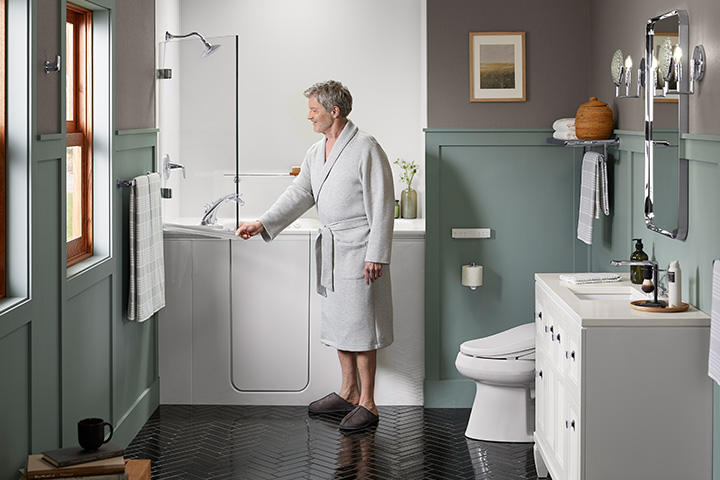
(526, 191)
(67, 352)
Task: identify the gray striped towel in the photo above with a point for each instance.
(714, 356)
(593, 194)
(147, 264)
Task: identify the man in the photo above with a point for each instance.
(348, 178)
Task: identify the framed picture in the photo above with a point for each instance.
(657, 41)
(497, 66)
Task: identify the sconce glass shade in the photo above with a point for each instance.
(665, 60)
(616, 67)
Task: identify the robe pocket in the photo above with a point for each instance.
(350, 260)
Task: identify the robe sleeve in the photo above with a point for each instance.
(293, 202)
(379, 199)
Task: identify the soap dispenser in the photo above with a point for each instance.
(636, 271)
(674, 288)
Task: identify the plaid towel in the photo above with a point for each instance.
(714, 357)
(593, 194)
(578, 278)
(147, 264)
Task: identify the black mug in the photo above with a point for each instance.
(91, 433)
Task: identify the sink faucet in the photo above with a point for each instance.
(652, 264)
(210, 217)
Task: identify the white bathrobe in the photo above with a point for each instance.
(354, 196)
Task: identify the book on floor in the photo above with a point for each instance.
(38, 468)
(63, 457)
(110, 476)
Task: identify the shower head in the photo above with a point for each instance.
(209, 48)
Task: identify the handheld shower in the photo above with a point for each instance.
(209, 48)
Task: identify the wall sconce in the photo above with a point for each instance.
(668, 68)
(622, 74)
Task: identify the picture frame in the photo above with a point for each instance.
(670, 97)
(497, 66)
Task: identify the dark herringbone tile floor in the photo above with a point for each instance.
(258, 442)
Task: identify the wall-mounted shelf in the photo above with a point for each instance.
(610, 142)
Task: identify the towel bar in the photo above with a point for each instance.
(587, 143)
(128, 183)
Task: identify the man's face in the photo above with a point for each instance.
(321, 119)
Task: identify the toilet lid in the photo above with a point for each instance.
(512, 342)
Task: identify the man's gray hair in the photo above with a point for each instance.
(332, 93)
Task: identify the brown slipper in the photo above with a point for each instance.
(331, 403)
(358, 419)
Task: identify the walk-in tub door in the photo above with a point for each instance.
(270, 324)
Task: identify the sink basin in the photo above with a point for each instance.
(605, 296)
(608, 293)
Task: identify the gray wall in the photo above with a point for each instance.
(66, 350)
(134, 65)
(556, 40)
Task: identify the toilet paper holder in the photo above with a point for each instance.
(472, 275)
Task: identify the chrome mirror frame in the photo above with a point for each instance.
(650, 144)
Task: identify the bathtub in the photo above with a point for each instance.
(241, 322)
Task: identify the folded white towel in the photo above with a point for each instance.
(593, 194)
(714, 356)
(564, 124)
(578, 278)
(565, 135)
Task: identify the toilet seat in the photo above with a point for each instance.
(517, 342)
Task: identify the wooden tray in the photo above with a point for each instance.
(643, 308)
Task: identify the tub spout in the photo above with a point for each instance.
(210, 216)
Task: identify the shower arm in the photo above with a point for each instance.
(170, 36)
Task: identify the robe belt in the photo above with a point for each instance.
(325, 251)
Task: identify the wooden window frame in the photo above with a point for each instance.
(79, 129)
(3, 115)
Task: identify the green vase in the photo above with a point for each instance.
(408, 203)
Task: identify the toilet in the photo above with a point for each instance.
(503, 368)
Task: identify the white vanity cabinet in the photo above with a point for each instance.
(620, 393)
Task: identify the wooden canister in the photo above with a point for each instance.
(594, 120)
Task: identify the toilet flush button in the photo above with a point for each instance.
(470, 233)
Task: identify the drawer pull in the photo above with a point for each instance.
(539, 373)
(555, 337)
(570, 424)
(569, 354)
(538, 316)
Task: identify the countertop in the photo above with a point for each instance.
(614, 313)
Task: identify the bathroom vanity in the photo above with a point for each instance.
(620, 393)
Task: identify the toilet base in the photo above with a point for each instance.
(502, 414)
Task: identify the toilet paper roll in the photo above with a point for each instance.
(472, 275)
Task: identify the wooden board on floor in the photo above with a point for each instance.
(138, 469)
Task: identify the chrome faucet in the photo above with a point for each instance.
(652, 264)
(210, 217)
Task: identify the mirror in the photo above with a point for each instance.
(666, 194)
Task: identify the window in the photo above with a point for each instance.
(78, 92)
(2, 149)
